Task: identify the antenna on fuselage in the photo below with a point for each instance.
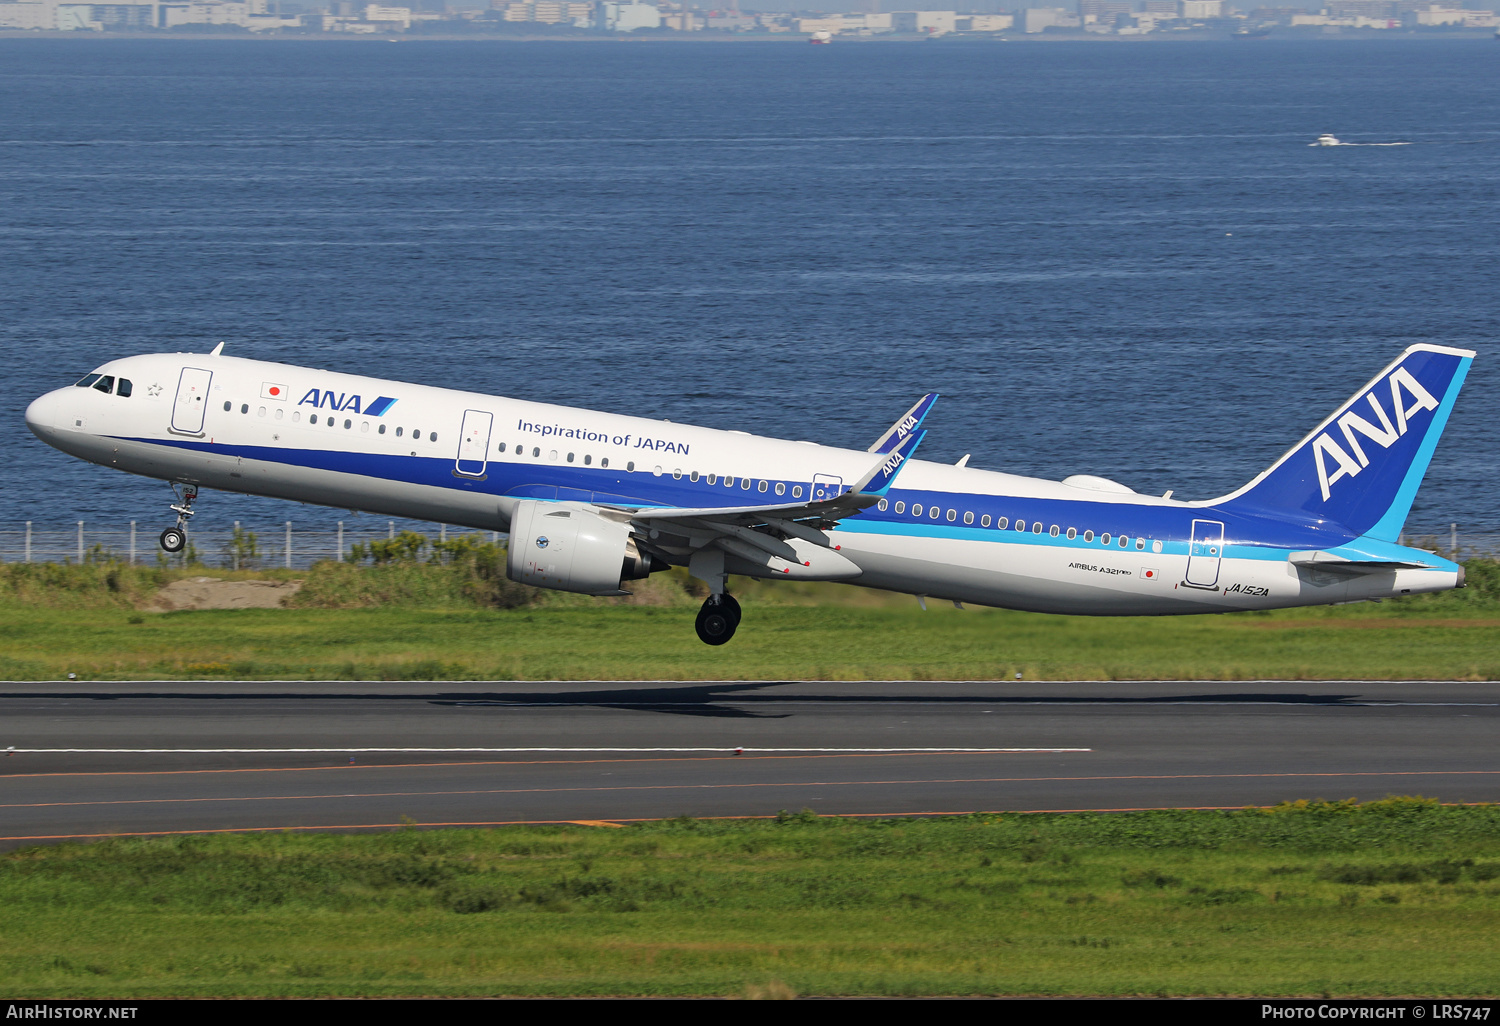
(217, 349)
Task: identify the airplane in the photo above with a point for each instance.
(592, 501)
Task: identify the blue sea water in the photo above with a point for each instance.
(1114, 259)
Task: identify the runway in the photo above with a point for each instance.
(98, 759)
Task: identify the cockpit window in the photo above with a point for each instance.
(106, 384)
(123, 388)
(87, 380)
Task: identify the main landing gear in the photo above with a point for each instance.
(174, 539)
(718, 619)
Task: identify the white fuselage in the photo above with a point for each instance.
(465, 458)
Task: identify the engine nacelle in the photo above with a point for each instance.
(571, 549)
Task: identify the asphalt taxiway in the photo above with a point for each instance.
(89, 760)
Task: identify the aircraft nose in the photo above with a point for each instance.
(44, 415)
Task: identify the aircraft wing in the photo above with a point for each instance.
(783, 538)
(864, 493)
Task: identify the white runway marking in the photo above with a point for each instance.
(518, 751)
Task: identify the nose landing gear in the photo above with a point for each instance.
(718, 619)
(174, 539)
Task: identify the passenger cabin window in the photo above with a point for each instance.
(780, 488)
(227, 405)
(796, 491)
(501, 449)
(398, 432)
(900, 507)
(244, 408)
(312, 418)
(604, 462)
(916, 509)
(1003, 523)
(984, 521)
(883, 505)
(969, 517)
(588, 460)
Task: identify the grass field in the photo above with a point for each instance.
(461, 620)
(1400, 897)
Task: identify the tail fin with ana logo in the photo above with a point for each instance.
(1362, 466)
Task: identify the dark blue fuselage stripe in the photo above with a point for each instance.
(585, 484)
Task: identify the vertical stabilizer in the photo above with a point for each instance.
(1362, 466)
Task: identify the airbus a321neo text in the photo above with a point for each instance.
(594, 500)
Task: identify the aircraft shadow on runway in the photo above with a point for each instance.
(706, 700)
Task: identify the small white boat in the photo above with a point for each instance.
(1326, 140)
(821, 38)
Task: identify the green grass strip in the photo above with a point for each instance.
(1397, 897)
(457, 618)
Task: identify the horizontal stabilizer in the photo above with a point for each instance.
(1319, 560)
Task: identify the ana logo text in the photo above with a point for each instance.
(343, 402)
(1415, 399)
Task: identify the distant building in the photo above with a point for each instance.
(550, 12)
(627, 17)
(393, 16)
(1039, 19)
(1161, 8)
(28, 16)
(1103, 10)
(986, 23)
(1202, 8)
(932, 23)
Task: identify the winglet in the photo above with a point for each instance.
(879, 480)
(906, 425)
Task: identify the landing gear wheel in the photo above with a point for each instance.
(173, 539)
(717, 620)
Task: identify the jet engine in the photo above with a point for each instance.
(572, 549)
